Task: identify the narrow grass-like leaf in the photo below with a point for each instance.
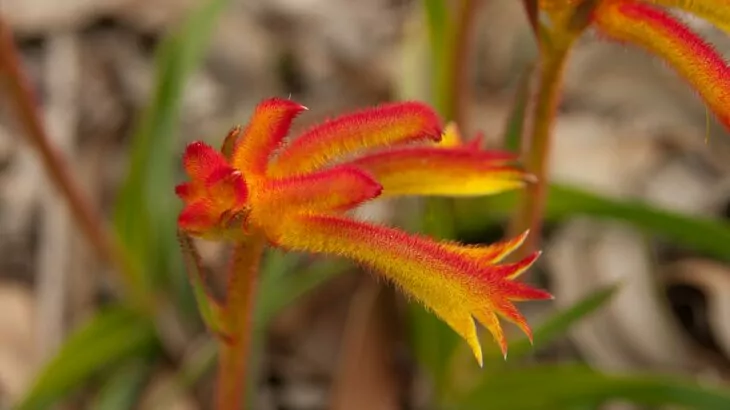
(432, 340)
(276, 292)
(708, 236)
(109, 337)
(516, 120)
(209, 308)
(440, 34)
(146, 206)
(122, 389)
(434, 344)
(569, 386)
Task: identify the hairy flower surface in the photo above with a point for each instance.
(642, 23)
(296, 194)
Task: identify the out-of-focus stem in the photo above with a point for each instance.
(530, 213)
(20, 95)
(235, 347)
(461, 61)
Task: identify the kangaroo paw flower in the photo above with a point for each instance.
(298, 200)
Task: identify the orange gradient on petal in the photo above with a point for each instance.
(265, 131)
(437, 171)
(386, 125)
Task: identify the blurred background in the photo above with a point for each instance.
(636, 245)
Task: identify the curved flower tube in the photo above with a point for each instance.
(658, 32)
(298, 198)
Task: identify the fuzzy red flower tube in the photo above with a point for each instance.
(295, 195)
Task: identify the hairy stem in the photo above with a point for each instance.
(14, 81)
(530, 212)
(235, 347)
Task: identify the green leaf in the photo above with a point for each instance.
(440, 34)
(516, 119)
(556, 325)
(569, 386)
(109, 337)
(146, 206)
(121, 391)
(705, 235)
(278, 263)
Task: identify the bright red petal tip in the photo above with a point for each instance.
(200, 160)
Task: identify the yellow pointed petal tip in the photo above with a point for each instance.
(451, 136)
(466, 328)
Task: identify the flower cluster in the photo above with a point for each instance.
(296, 194)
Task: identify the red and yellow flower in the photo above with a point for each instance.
(296, 194)
(644, 24)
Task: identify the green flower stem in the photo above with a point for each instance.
(235, 347)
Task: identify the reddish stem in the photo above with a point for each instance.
(235, 348)
(530, 213)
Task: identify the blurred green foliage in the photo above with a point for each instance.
(110, 337)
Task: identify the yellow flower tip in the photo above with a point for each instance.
(451, 136)
(476, 349)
